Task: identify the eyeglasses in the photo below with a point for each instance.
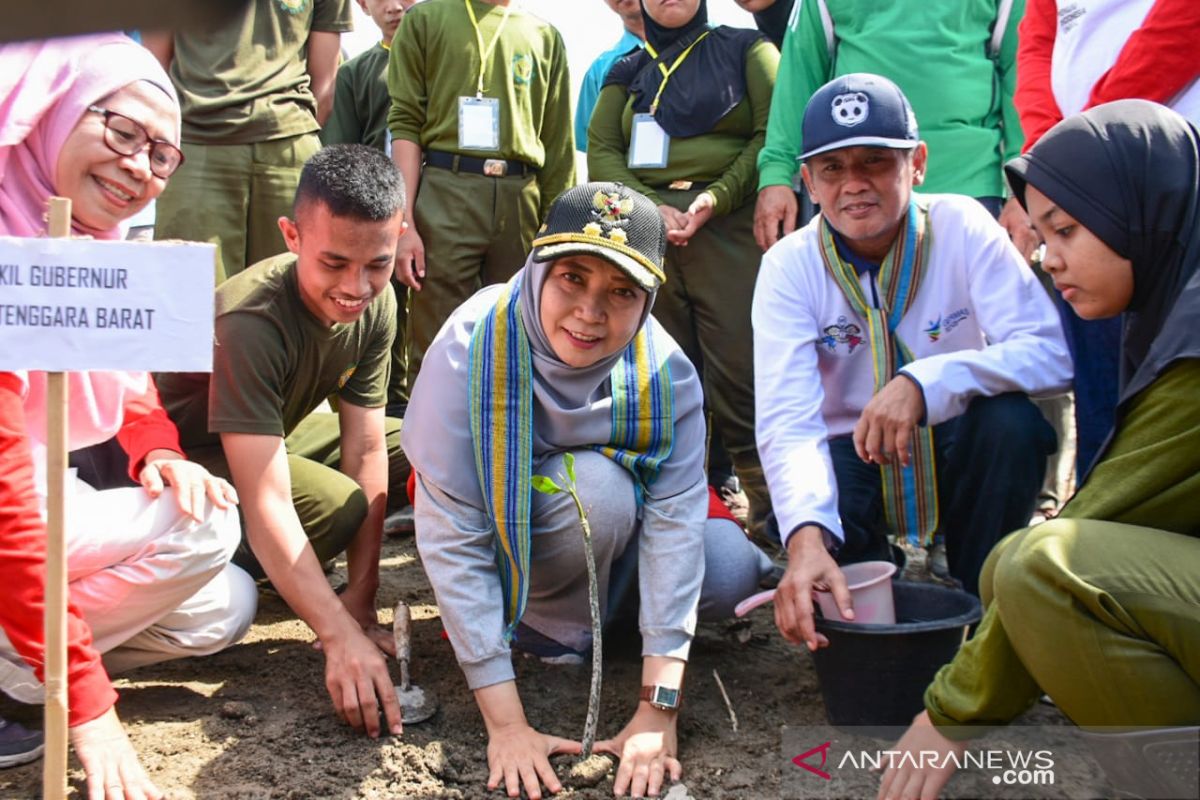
(127, 137)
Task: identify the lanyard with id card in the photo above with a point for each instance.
(648, 142)
(479, 116)
(479, 123)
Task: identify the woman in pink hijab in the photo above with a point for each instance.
(95, 119)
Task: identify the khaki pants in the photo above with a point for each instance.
(477, 231)
(1103, 617)
(233, 195)
(329, 503)
(705, 306)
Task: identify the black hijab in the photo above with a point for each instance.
(705, 87)
(773, 20)
(1129, 172)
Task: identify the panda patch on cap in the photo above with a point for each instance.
(850, 109)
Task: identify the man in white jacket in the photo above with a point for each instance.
(897, 338)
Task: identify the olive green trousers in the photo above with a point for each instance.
(329, 503)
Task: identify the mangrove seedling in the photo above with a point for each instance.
(547, 486)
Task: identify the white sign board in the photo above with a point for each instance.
(82, 304)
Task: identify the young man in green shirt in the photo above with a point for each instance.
(254, 88)
(360, 110)
(481, 121)
(291, 331)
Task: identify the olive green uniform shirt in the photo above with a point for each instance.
(725, 156)
(360, 101)
(274, 362)
(1150, 477)
(246, 79)
(435, 60)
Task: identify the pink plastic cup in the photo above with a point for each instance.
(870, 584)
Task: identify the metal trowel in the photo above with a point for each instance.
(416, 704)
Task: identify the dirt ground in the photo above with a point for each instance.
(255, 721)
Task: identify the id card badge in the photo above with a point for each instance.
(649, 142)
(479, 123)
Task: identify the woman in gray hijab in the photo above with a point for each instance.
(566, 358)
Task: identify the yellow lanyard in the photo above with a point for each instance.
(485, 53)
(667, 72)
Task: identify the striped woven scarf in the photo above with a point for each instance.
(501, 407)
(909, 493)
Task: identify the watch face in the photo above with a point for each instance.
(665, 698)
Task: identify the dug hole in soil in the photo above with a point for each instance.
(255, 721)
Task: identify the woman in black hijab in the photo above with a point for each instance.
(1100, 608)
(682, 122)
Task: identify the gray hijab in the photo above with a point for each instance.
(572, 406)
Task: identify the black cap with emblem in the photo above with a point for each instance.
(611, 221)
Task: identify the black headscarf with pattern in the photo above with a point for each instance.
(705, 87)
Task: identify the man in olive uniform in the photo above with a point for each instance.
(290, 331)
(481, 98)
(254, 90)
(360, 111)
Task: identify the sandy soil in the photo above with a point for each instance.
(255, 721)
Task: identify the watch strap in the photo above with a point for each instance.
(668, 698)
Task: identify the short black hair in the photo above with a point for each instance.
(351, 180)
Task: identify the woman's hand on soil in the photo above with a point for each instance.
(520, 756)
(112, 766)
(909, 781)
(357, 678)
(810, 567)
(647, 749)
(192, 482)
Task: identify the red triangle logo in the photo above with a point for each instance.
(823, 749)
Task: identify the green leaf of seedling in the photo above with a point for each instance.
(545, 485)
(569, 463)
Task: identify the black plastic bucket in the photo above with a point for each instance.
(876, 675)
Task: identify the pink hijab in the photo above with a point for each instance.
(45, 88)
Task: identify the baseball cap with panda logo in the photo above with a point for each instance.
(858, 110)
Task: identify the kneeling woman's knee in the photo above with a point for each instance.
(216, 536)
(225, 616)
(1033, 560)
(733, 568)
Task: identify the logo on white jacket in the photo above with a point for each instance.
(842, 332)
(850, 109)
(945, 324)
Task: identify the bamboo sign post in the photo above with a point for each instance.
(80, 304)
(54, 767)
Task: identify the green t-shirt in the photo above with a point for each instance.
(435, 61)
(723, 157)
(937, 53)
(246, 79)
(274, 362)
(360, 101)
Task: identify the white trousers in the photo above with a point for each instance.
(152, 583)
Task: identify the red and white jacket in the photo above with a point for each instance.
(101, 405)
(1075, 54)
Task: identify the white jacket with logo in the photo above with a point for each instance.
(980, 325)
